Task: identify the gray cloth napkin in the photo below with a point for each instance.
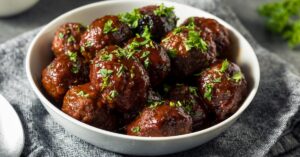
(255, 132)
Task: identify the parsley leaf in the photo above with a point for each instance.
(193, 91)
(136, 129)
(106, 57)
(225, 65)
(194, 40)
(237, 76)
(75, 69)
(283, 18)
(112, 94)
(71, 39)
(82, 94)
(132, 18)
(108, 27)
(217, 80)
(60, 35)
(105, 72)
(162, 10)
(72, 56)
(208, 91)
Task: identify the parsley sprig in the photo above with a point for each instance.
(108, 27)
(283, 18)
(162, 10)
(131, 18)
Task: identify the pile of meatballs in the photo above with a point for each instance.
(138, 74)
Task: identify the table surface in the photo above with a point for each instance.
(46, 10)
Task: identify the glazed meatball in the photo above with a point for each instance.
(122, 81)
(67, 38)
(223, 88)
(192, 104)
(62, 73)
(161, 119)
(159, 19)
(80, 103)
(189, 49)
(104, 31)
(219, 32)
(153, 57)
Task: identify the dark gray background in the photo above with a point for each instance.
(46, 10)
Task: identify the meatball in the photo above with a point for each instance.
(122, 81)
(62, 73)
(80, 103)
(161, 119)
(153, 57)
(104, 31)
(67, 38)
(189, 49)
(223, 88)
(219, 32)
(188, 97)
(159, 19)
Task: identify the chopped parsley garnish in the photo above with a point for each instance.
(175, 104)
(217, 80)
(112, 94)
(88, 43)
(75, 69)
(172, 53)
(60, 35)
(120, 70)
(146, 33)
(154, 104)
(82, 94)
(71, 39)
(177, 30)
(106, 57)
(225, 65)
(72, 56)
(145, 54)
(162, 10)
(194, 40)
(105, 72)
(108, 27)
(172, 104)
(208, 91)
(237, 76)
(82, 49)
(193, 90)
(136, 129)
(132, 18)
(146, 62)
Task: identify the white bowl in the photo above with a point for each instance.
(13, 7)
(39, 56)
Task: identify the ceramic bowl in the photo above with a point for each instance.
(40, 55)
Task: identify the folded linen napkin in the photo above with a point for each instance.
(254, 133)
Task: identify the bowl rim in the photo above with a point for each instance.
(51, 106)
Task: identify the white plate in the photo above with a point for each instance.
(39, 56)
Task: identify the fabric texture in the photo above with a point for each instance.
(254, 133)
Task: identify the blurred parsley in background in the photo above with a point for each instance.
(283, 17)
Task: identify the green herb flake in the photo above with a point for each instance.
(136, 129)
(146, 62)
(162, 10)
(132, 18)
(82, 49)
(61, 35)
(217, 80)
(106, 57)
(112, 94)
(177, 30)
(208, 91)
(120, 70)
(75, 69)
(146, 33)
(194, 40)
(71, 39)
(237, 76)
(88, 43)
(172, 104)
(145, 54)
(108, 27)
(105, 72)
(172, 53)
(225, 66)
(154, 104)
(72, 56)
(82, 94)
(193, 91)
